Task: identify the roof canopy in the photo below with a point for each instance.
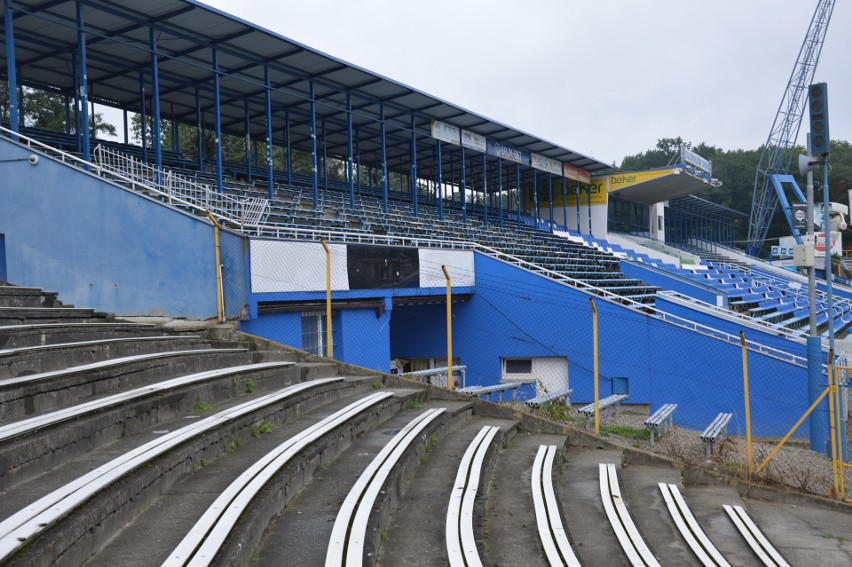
(122, 35)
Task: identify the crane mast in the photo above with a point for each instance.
(778, 151)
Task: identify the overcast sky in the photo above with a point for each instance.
(606, 78)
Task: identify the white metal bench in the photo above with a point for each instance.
(461, 543)
(488, 390)
(607, 405)
(550, 528)
(350, 527)
(692, 533)
(203, 541)
(660, 420)
(631, 542)
(552, 397)
(754, 537)
(716, 431)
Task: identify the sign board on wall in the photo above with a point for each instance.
(474, 141)
(575, 173)
(446, 133)
(546, 164)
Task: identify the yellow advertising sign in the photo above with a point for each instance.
(621, 180)
(597, 188)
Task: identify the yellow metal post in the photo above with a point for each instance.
(329, 350)
(449, 328)
(832, 394)
(220, 299)
(749, 453)
(595, 360)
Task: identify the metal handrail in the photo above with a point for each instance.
(137, 183)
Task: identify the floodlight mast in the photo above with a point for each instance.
(780, 146)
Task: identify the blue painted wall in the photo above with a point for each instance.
(103, 247)
(515, 313)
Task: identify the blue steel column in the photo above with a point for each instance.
(590, 210)
(155, 97)
(199, 130)
(324, 155)
(500, 189)
(11, 71)
(384, 159)
(485, 188)
(550, 198)
(535, 197)
(463, 186)
(518, 188)
(414, 165)
(452, 175)
(314, 172)
(247, 128)
(565, 203)
(217, 117)
(349, 175)
(84, 84)
(440, 160)
(269, 170)
(123, 116)
(289, 149)
(358, 161)
(577, 192)
(143, 115)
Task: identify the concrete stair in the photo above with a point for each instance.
(139, 519)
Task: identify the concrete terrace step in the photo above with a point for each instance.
(30, 445)
(44, 358)
(36, 393)
(191, 495)
(26, 315)
(303, 529)
(416, 532)
(89, 527)
(512, 536)
(16, 336)
(14, 296)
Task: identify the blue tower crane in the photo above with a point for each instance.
(772, 170)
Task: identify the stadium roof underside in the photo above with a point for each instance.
(655, 186)
(698, 207)
(305, 86)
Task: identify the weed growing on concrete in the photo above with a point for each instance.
(384, 536)
(378, 385)
(201, 406)
(625, 431)
(249, 386)
(413, 404)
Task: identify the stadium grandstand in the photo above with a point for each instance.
(253, 182)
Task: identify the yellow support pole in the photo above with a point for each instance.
(329, 350)
(793, 429)
(749, 453)
(832, 393)
(595, 360)
(220, 296)
(449, 328)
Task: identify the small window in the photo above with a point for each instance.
(518, 366)
(313, 332)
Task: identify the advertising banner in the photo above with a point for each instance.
(836, 246)
(575, 173)
(473, 141)
(446, 133)
(509, 153)
(546, 164)
(597, 188)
